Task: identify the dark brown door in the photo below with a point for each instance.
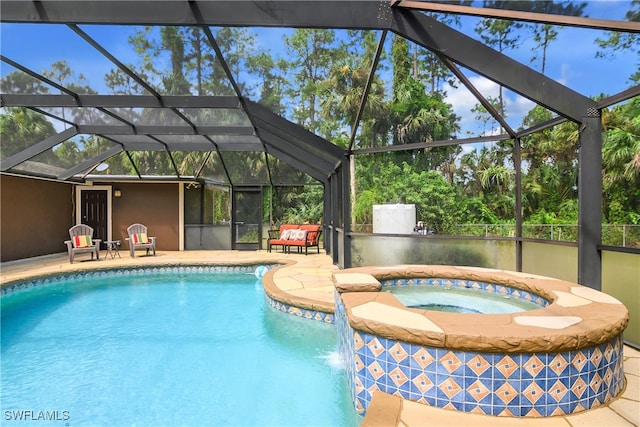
(93, 212)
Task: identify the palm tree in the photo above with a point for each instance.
(621, 163)
(621, 148)
(21, 128)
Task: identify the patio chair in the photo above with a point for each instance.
(82, 241)
(138, 239)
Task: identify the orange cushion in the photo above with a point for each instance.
(284, 227)
(310, 227)
(83, 241)
(312, 236)
(140, 238)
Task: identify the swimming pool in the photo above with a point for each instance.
(173, 346)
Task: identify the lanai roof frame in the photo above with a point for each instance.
(325, 160)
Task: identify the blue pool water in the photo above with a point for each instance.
(192, 349)
(459, 300)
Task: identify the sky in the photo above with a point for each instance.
(571, 59)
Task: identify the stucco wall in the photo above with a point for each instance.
(35, 217)
(154, 205)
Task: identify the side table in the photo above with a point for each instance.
(113, 248)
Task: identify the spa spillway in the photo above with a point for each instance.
(563, 356)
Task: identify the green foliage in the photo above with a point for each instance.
(363, 207)
(221, 206)
(323, 77)
(627, 43)
(311, 52)
(434, 197)
(297, 205)
(20, 128)
(621, 163)
(249, 236)
(474, 211)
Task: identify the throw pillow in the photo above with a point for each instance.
(286, 234)
(299, 235)
(140, 238)
(83, 241)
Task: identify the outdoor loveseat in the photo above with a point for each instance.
(300, 236)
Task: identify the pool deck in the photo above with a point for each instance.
(309, 278)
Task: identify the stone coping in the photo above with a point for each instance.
(577, 316)
(305, 292)
(289, 296)
(14, 272)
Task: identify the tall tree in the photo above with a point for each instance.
(21, 128)
(61, 73)
(18, 82)
(619, 42)
(238, 48)
(550, 168)
(174, 80)
(501, 34)
(344, 91)
(401, 63)
(417, 116)
(312, 52)
(199, 56)
(621, 163)
(428, 68)
(545, 34)
(270, 75)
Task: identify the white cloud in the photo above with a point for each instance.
(564, 72)
(467, 148)
(463, 101)
(517, 107)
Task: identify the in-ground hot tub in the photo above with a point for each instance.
(462, 296)
(561, 358)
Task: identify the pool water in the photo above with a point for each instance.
(171, 349)
(459, 300)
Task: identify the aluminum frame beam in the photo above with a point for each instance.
(590, 201)
(119, 101)
(165, 130)
(36, 149)
(490, 63)
(327, 14)
(316, 146)
(89, 163)
(276, 145)
(516, 15)
(293, 161)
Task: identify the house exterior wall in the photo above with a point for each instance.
(35, 217)
(154, 205)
